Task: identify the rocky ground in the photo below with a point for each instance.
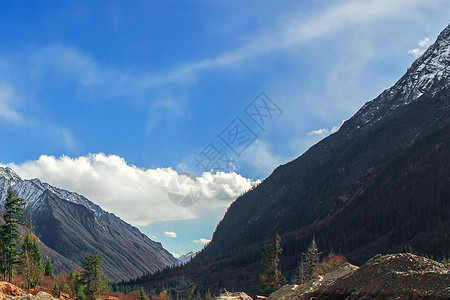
(9, 291)
(319, 283)
(234, 296)
(395, 276)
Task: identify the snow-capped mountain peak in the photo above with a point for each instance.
(73, 226)
(31, 190)
(428, 74)
(9, 174)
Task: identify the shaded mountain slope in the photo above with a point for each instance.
(381, 182)
(72, 226)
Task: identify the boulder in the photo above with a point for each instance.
(234, 296)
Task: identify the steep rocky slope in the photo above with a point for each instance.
(381, 182)
(71, 226)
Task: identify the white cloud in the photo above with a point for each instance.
(176, 255)
(220, 187)
(170, 234)
(139, 196)
(425, 42)
(423, 46)
(320, 132)
(311, 138)
(336, 128)
(323, 132)
(201, 241)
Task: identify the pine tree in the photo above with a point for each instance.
(31, 261)
(407, 249)
(269, 275)
(312, 256)
(300, 276)
(191, 291)
(48, 271)
(142, 294)
(10, 235)
(93, 277)
(310, 259)
(76, 285)
(56, 292)
(208, 296)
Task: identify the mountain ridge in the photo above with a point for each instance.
(73, 226)
(424, 76)
(381, 182)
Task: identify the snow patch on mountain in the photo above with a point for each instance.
(429, 74)
(186, 257)
(31, 190)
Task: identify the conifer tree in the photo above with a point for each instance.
(76, 285)
(300, 276)
(269, 275)
(209, 296)
(31, 261)
(93, 277)
(312, 256)
(142, 294)
(10, 235)
(48, 271)
(56, 292)
(309, 260)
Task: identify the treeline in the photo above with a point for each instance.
(176, 281)
(22, 263)
(310, 266)
(271, 272)
(21, 260)
(28, 261)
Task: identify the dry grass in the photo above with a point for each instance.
(328, 264)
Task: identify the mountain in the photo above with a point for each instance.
(71, 226)
(378, 184)
(186, 257)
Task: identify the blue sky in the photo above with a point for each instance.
(112, 99)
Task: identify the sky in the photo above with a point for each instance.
(163, 112)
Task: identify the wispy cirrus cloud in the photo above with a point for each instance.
(293, 30)
(260, 159)
(297, 31)
(8, 103)
(10, 112)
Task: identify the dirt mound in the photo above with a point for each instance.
(321, 282)
(8, 289)
(397, 276)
